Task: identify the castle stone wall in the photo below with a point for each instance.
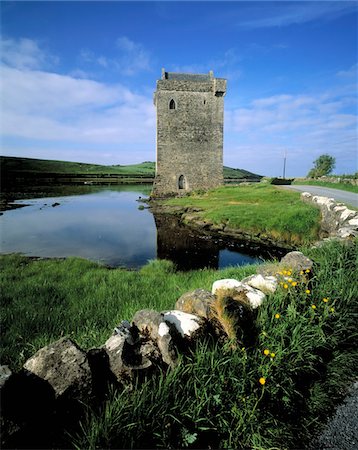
(189, 133)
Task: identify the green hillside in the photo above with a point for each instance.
(14, 164)
(33, 166)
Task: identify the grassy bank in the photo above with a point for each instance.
(342, 186)
(257, 209)
(218, 397)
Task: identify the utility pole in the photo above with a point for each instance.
(284, 164)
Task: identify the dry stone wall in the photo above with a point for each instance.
(337, 220)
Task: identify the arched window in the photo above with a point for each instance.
(172, 104)
(181, 182)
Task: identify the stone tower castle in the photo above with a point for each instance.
(190, 120)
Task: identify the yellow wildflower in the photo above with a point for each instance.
(308, 271)
(325, 299)
(294, 283)
(308, 291)
(262, 380)
(290, 280)
(332, 309)
(289, 273)
(277, 316)
(273, 355)
(285, 286)
(313, 306)
(301, 272)
(266, 352)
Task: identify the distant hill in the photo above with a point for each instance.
(14, 164)
(31, 166)
(230, 173)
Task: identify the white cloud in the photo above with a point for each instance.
(25, 54)
(129, 59)
(283, 13)
(305, 125)
(48, 106)
(134, 56)
(350, 73)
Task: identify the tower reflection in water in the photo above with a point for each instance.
(190, 249)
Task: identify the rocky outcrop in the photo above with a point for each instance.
(337, 220)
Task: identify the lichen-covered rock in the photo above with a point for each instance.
(226, 283)
(64, 366)
(148, 321)
(5, 374)
(267, 284)
(347, 232)
(254, 296)
(296, 261)
(187, 325)
(151, 325)
(347, 214)
(196, 302)
(125, 358)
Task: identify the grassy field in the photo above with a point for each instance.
(217, 397)
(342, 186)
(257, 209)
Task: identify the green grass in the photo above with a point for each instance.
(46, 299)
(213, 398)
(342, 186)
(258, 209)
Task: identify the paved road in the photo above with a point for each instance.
(341, 432)
(341, 196)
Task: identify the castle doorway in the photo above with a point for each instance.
(182, 182)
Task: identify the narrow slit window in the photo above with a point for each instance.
(172, 104)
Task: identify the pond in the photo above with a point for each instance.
(109, 225)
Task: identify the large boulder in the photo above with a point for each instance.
(196, 302)
(64, 366)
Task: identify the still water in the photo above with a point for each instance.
(109, 225)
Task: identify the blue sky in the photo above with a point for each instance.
(78, 78)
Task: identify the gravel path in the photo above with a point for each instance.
(341, 196)
(341, 431)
